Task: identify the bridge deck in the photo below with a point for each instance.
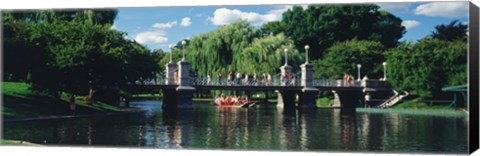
(243, 88)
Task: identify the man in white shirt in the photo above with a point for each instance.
(367, 100)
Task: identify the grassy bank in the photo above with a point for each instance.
(20, 102)
(413, 104)
(323, 102)
(436, 112)
(418, 103)
(16, 142)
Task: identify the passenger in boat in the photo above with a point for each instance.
(219, 99)
(227, 100)
(244, 101)
(240, 101)
(234, 100)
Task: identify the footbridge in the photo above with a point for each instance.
(293, 92)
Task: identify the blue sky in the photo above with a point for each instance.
(157, 27)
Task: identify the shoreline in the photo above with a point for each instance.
(443, 112)
(132, 110)
(126, 111)
(6, 142)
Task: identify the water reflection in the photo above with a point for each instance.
(262, 128)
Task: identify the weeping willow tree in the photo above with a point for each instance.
(217, 51)
(239, 47)
(267, 54)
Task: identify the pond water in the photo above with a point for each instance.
(258, 128)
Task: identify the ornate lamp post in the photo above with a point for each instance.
(306, 53)
(384, 71)
(183, 49)
(286, 58)
(359, 66)
(171, 51)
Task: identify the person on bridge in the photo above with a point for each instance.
(294, 79)
(245, 81)
(219, 78)
(367, 100)
(345, 79)
(364, 81)
(283, 79)
(229, 78)
(238, 78)
(269, 79)
(264, 79)
(351, 80)
(287, 78)
(175, 77)
(208, 79)
(255, 79)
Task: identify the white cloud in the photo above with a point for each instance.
(151, 37)
(409, 24)
(164, 25)
(186, 22)
(443, 9)
(224, 16)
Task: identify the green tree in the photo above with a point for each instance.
(453, 31)
(76, 53)
(321, 25)
(97, 16)
(266, 55)
(427, 66)
(272, 28)
(69, 49)
(22, 54)
(219, 50)
(343, 57)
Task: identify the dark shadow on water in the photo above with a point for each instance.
(289, 112)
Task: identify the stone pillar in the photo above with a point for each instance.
(336, 99)
(307, 72)
(184, 90)
(283, 70)
(183, 70)
(286, 100)
(169, 99)
(308, 99)
(171, 67)
(350, 98)
(308, 95)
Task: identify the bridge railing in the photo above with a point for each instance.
(243, 82)
(335, 83)
(276, 81)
